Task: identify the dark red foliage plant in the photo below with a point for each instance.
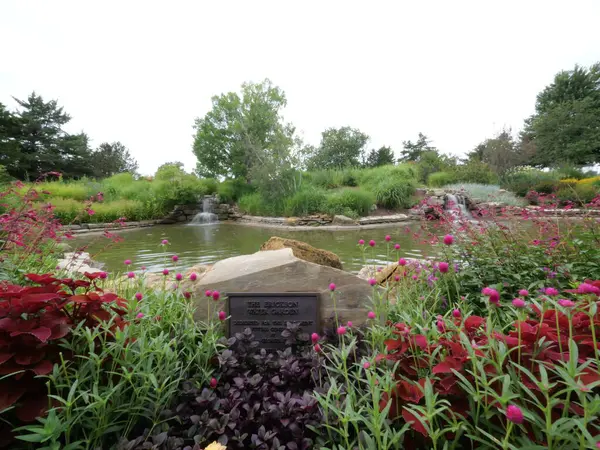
(33, 320)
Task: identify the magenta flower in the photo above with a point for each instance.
(371, 315)
(332, 287)
(456, 313)
(213, 383)
(414, 277)
(372, 243)
(143, 268)
(208, 293)
(341, 330)
(187, 294)
(178, 277)
(349, 324)
(164, 242)
(518, 303)
(130, 275)
(166, 272)
(397, 246)
(222, 316)
(441, 326)
(193, 276)
(127, 262)
(523, 292)
(402, 261)
(314, 338)
(138, 296)
(103, 275)
(487, 291)
(495, 298)
(317, 348)
(175, 258)
(551, 292)
(372, 281)
(366, 365)
(566, 303)
(139, 315)
(587, 288)
(361, 242)
(388, 238)
(215, 295)
(443, 266)
(448, 239)
(514, 414)
(396, 277)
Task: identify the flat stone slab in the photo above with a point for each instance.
(384, 219)
(280, 271)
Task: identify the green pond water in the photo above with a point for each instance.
(206, 244)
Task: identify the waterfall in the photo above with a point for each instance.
(207, 215)
(456, 205)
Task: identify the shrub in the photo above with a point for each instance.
(226, 191)
(475, 172)
(395, 194)
(570, 172)
(439, 179)
(371, 178)
(208, 186)
(580, 194)
(546, 187)
(487, 192)
(70, 190)
(253, 204)
(522, 181)
(306, 201)
(357, 200)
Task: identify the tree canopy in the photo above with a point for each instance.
(340, 147)
(380, 157)
(500, 153)
(414, 151)
(566, 125)
(110, 159)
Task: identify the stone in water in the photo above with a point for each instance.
(267, 315)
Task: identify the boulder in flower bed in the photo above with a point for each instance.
(304, 251)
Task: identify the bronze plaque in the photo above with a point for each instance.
(267, 315)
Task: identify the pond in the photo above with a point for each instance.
(206, 244)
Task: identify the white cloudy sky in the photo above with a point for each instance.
(141, 71)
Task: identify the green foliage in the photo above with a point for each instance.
(308, 200)
(568, 171)
(210, 186)
(475, 172)
(380, 157)
(545, 186)
(439, 179)
(522, 181)
(500, 153)
(254, 205)
(333, 178)
(565, 125)
(4, 176)
(339, 148)
(414, 151)
(579, 194)
(371, 178)
(395, 194)
(431, 161)
(487, 193)
(355, 200)
(110, 159)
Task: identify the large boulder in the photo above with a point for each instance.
(281, 271)
(304, 251)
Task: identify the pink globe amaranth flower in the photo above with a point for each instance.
(138, 296)
(402, 261)
(130, 275)
(397, 246)
(366, 365)
(103, 275)
(487, 291)
(127, 262)
(314, 338)
(216, 295)
(187, 294)
(371, 315)
(388, 238)
(166, 272)
(441, 326)
(518, 303)
(456, 313)
(448, 239)
(341, 330)
(222, 316)
(208, 293)
(178, 277)
(443, 266)
(213, 383)
(143, 268)
(139, 315)
(414, 277)
(372, 243)
(566, 303)
(332, 287)
(372, 281)
(523, 292)
(164, 242)
(361, 242)
(495, 297)
(598, 444)
(193, 276)
(552, 292)
(587, 288)
(175, 258)
(514, 414)
(396, 277)
(349, 324)
(317, 348)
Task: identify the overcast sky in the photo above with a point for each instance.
(140, 71)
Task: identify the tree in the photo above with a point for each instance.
(381, 157)
(35, 142)
(566, 125)
(414, 151)
(243, 132)
(110, 159)
(340, 147)
(500, 153)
